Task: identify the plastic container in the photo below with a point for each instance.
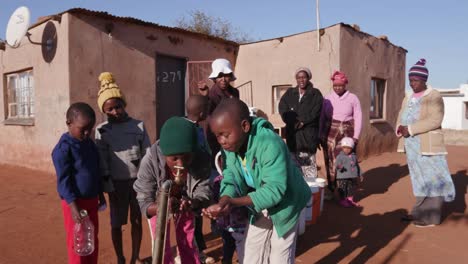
(321, 183)
(313, 206)
(83, 238)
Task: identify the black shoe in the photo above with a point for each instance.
(407, 218)
(422, 224)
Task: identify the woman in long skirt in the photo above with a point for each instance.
(419, 129)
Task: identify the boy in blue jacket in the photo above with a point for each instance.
(259, 174)
(76, 162)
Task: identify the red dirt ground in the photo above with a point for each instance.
(31, 224)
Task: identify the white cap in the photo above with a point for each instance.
(347, 142)
(221, 66)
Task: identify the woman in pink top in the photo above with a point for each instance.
(341, 117)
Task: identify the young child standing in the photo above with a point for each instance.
(260, 174)
(122, 142)
(197, 107)
(176, 156)
(76, 162)
(347, 173)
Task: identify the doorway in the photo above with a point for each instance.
(170, 88)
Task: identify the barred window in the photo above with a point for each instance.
(20, 95)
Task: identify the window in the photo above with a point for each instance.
(377, 96)
(20, 95)
(466, 110)
(278, 91)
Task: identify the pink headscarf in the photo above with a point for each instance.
(339, 78)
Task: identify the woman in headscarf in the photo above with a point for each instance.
(341, 117)
(419, 130)
(300, 109)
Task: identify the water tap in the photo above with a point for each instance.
(179, 177)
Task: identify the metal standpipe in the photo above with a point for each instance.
(161, 222)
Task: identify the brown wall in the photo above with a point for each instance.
(359, 55)
(273, 62)
(129, 53)
(363, 57)
(31, 146)
(84, 50)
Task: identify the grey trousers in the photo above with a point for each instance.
(428, 209)
(263, 246)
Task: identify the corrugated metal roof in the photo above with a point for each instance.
(132, 20)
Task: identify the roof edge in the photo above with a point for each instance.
(132, 20)
(309, 31)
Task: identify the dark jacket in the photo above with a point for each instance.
(306, 111)
(215, 96)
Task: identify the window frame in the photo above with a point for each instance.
(19, 119)
(466, 109)
(378, 114)
(276, 97)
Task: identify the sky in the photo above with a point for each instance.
(434, 30)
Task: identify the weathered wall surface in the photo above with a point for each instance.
(31, 146)
(84, 50)
(129, 52)
(273, 62)
(363, 57)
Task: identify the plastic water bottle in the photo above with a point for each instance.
(84, 235)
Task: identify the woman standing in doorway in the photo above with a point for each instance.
(419, 130)
(341, 117)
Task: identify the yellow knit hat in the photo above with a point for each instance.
(109, 89)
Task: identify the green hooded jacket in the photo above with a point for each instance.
(279, 185)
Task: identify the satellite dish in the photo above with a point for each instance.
(17, 26)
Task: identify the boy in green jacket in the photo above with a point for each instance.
(259, 174)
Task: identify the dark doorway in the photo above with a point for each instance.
(170, 88)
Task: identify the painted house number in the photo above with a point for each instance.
(169, 76)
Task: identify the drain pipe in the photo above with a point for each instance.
(161, 222)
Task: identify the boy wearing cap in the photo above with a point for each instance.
(347, 173)
(122, 142)
(176, 156)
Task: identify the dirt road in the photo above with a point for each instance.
(31, 223)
